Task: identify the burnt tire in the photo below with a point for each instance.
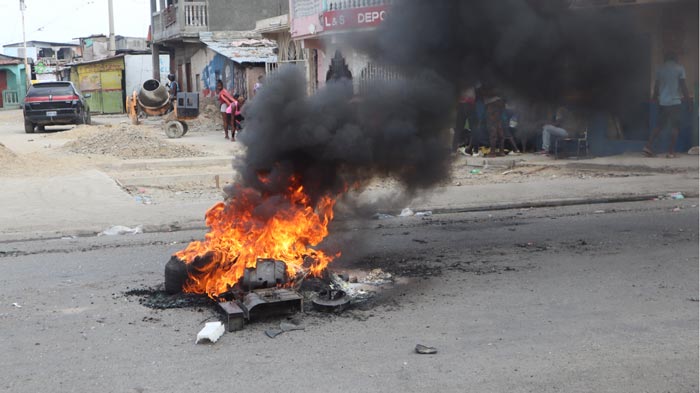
(174, 129)
(28, 127)
(175, 275)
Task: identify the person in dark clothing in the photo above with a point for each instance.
(465, 120)
(495, 106)
(174, 87)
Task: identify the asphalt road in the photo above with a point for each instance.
(579, 299)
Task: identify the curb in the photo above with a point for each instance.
(554, 203)
(199, 224)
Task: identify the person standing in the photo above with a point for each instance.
(174, 87)
(223, 104)
(465, 119)
(258, 85)
(670, 91)
(495, 106)
(231, 113)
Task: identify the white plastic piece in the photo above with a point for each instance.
(121, 230)
(211, 331)
(407, 212)
(424, 214)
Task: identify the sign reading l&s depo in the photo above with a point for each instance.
(354, 18)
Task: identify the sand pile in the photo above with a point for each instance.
(128, 142)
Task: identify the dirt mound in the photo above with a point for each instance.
(127, 142)
(6, 155)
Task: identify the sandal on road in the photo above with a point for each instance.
(647, 152)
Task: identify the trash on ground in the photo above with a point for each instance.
(676, 209)
(146, 200)
(290, 326)
(382, 216)
(599, 211)
(16, 305)
(475, 171)
(426, 213)
(377, 277)
(694, 151)
(407, 212)
(285, 326)
(423, 350)
(121, 230)
(211, 331)
(676, 195)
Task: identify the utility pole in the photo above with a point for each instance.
(27, 70)
(112, 44)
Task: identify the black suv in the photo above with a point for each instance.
(54, 103)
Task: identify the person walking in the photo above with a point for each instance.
(670, 91)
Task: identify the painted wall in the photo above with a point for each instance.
(139, 68)
(15, 81)
(304, 18)
(242, 14)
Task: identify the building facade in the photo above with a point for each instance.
(176, 26)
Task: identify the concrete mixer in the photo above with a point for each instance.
(154, 100)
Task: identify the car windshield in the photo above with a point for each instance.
(55, 89)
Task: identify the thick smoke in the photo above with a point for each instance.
(541, 50)
(334, 140)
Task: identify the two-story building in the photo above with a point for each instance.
(211, 40)
(48, 59)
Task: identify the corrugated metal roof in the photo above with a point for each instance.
(241, 49)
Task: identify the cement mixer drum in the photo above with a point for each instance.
(154, 96)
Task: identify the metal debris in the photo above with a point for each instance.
(423, 350)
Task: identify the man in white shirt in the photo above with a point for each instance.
(670, 91)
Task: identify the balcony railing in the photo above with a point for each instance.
(10, 98)
(333, 5)
(182, 20)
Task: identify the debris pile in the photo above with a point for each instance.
(128, 142)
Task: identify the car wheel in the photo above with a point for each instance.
(88, 118)
(28, 127)
(186, 127)
(41, 128)
(174, 129)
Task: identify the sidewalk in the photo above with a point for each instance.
(87, 203)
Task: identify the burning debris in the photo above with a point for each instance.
(303, 153)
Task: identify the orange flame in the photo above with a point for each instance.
(240, 233)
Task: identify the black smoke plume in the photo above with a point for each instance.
(541, 50)
(334, 140)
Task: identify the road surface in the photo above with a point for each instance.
(597, 298)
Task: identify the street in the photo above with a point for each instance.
(583, 298)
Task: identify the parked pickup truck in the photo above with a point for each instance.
(54, 103)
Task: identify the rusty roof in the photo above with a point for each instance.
(241, 47)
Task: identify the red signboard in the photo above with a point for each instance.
(354, 18)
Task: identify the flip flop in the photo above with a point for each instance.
(647, 152)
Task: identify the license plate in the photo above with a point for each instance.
(51, 113)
